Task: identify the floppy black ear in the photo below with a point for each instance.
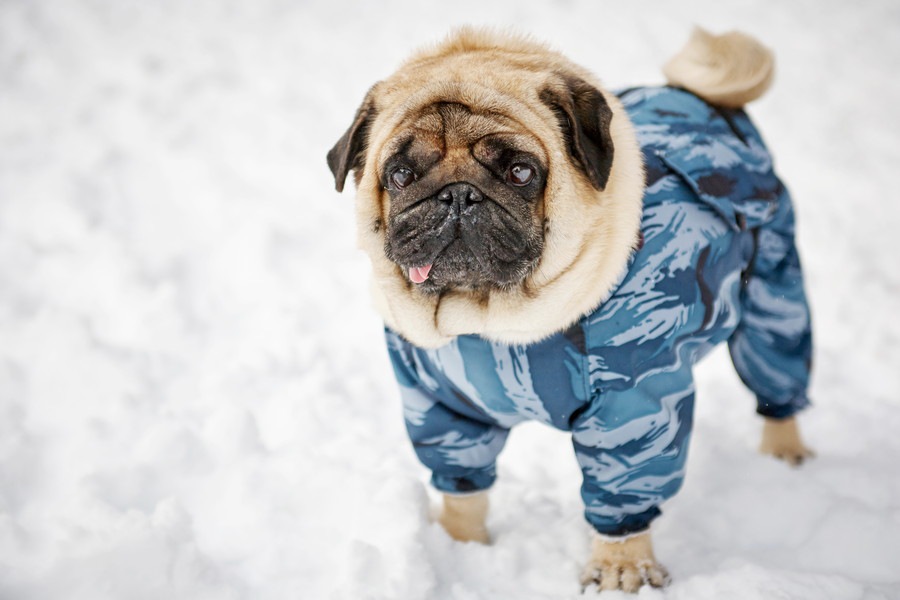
(349, 152)
(584, 117)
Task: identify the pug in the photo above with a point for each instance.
(545, 249)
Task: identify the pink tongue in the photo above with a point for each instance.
(419, 274)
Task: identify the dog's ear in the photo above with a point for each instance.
(584, 117)
(349, 153)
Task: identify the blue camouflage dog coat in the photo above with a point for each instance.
(717, 262)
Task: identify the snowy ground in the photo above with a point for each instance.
(195, 402)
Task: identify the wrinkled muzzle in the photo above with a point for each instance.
(461, 238)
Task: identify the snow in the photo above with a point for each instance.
(195, 400)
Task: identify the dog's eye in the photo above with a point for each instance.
(520, 174)
(402, 177)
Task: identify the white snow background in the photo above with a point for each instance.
(195, 401)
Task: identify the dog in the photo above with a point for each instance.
(543, 248)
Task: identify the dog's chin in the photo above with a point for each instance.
(463, 280)
(458, 269)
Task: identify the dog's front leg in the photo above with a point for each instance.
(781, 439)
(625, 564)
(463, 517)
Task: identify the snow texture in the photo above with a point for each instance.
(195, 400)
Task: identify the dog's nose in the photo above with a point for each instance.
(460, 195)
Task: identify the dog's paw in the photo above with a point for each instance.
(781, 439)
(464, 532)
(463, 518)
(628, 577)
(624, 565)
(795, 456)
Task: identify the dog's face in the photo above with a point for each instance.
(462, 177)
(466, 199)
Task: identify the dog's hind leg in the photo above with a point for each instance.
(772, 346)
(781, 439)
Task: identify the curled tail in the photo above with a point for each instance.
(730, 70)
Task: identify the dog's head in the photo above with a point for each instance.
(477, 164)
(465, 198)
(465, 181)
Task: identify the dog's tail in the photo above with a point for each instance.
(730, 70)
